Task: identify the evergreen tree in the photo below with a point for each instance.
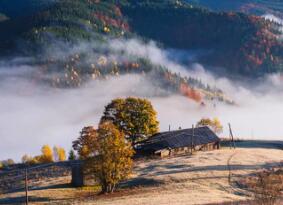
(72, 155)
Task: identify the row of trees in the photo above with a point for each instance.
(6, 163)
(48, 155)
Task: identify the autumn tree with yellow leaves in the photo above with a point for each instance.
(111, 159)
(108, 150)
(47, 154)
(86, 143)
(214, 124)
(26, 159)
(29, 160)
(135, 117)
(59, 153)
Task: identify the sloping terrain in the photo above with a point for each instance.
(201, 179)
(198, 179)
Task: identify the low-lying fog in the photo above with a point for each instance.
(32, 114)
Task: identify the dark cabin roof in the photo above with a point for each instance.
(179, 138)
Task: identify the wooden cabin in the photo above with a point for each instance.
(179, 142)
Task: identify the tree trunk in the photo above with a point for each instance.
(104, 188)
(113, 188)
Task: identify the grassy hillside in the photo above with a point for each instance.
(198, 179)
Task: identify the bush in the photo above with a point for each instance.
(267, 187)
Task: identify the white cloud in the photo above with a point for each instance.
(33, 114)
(276, 20)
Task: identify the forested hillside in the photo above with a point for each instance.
(257, 7)
(16, 8)
(242, 44)
(96, 22)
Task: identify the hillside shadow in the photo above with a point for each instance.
(256, 144)
(35, 199)
(140, 182)
(246, 202)
(22, 200)
(153, 167)
(57, 186)
(159, 170)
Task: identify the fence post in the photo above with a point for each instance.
(192, 140)
(232, 137)
(26, 185)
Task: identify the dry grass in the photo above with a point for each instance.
(267, 186)
(198, 179)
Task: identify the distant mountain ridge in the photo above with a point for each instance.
(256, 7)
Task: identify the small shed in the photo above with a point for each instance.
(180, 142)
